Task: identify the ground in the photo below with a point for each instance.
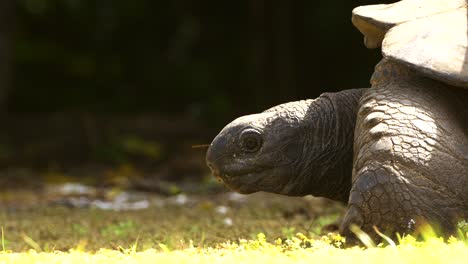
(73, 214)
(76, 223)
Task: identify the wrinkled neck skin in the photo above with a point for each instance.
(326, 164)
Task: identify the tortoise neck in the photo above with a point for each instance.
(328, 163)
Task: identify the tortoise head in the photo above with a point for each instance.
(259, 152)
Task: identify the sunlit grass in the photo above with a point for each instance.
(299, 249)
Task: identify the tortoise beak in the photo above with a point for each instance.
(214, 154)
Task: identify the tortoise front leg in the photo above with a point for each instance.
(380, 197)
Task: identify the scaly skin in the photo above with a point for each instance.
(410, 154)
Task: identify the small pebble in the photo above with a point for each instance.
(222, 209)
(228, 221)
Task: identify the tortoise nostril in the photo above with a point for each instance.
(210, 165)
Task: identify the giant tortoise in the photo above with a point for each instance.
(396, 153)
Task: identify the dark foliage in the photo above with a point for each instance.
(211, 58)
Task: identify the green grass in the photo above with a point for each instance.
(261, 229)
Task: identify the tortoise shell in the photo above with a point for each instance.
(429, 36)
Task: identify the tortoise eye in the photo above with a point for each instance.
(251, 140)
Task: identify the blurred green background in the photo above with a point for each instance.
(139, 82)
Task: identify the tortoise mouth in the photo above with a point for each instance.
(233, 171)
(250, 181)
(242, 183)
